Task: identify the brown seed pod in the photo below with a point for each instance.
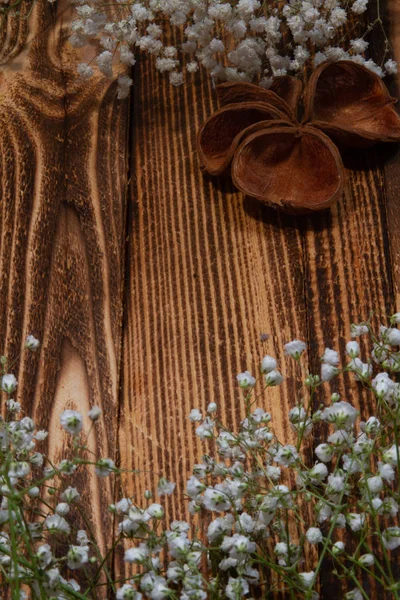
(297, 169)
(233, 92)
(219, 136)
(351, 104)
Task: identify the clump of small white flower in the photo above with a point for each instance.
(234, 41)
(247, 490)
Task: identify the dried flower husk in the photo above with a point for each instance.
(351, 104)
(220, 135)
(234, 92)
(289, 89)
(297, 169)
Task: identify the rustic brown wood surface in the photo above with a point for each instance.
(209, 271)
(63, 171)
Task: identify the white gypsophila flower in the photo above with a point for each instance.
(375, 484)
(295, 348)
(328, 372)
(195, 415)
(338, 548)
(44, 556)
(165, 487)
(391, 335)
(352, 349)
(367, 560)
(246, 380)
(314, 535)
(70, 495)
(273, 378)
(359, 45)
(136, 555)
(155, 511)
(212, 408)
(236, 588)
(286, 455)
(77, 557)
(391, 538)
(307, 578)
(9, 383)
(94, 413)
(358, 330)
(34, 492)
(354, 594)
(330, 357)
(128, 592)
(13, 406)
(324, 452)
(340, 414)
(41, 435)
(124, 85)
(216, 500)
(361, 370)
(355, 521)
(62, 509)
(386, 471)
(71, 421)
(268, 364)
(56, 524)
(392, 455)
(104, 466)
(32, 343)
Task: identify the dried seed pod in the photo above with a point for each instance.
(234, 92)
(289, 89)
(219, 136)
(297, 169)
(351, 104)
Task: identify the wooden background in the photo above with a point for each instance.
(149, 285)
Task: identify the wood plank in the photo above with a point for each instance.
(209, 271)
(63, 153)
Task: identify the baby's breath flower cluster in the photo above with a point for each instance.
(266, 514)
(245, 40)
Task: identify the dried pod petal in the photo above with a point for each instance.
(297, 169)
(289, 89)
(351, 104)
(234, 92)
(217, 138)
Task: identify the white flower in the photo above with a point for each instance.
(268, 364)
(214, 499)
(314, 535)
(354, 594)
(357, 330)
(330, 357)
(391, 538)
(328, 372)
(359, 6)
(324, 452)
(359, 45)
(165, 487)
(212, 408)
(392, 456)
(124, 85)
(386, 471)
(128, 592)
(70, 495)
(236, 588)
(136, 555)
(295, 348)
(32, 343)
(238, 546)
(307, 578)
(94, 413)
(71, 421)
(273, 378)
(338, 547)
(352, 349)
(77, 557)
(367, 560)
(155, 511)
(104, 467)
(286, 455)
(84, 70)
(355, 521)
(195, 415)
(9, 383)
(56, 524)
(104, 62)
(62, 509)
(44, 556)
(391, 336)
(375, 484)
(341, 414)
(246, 380)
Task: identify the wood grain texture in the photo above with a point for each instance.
(209, 271)
(63, 171)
